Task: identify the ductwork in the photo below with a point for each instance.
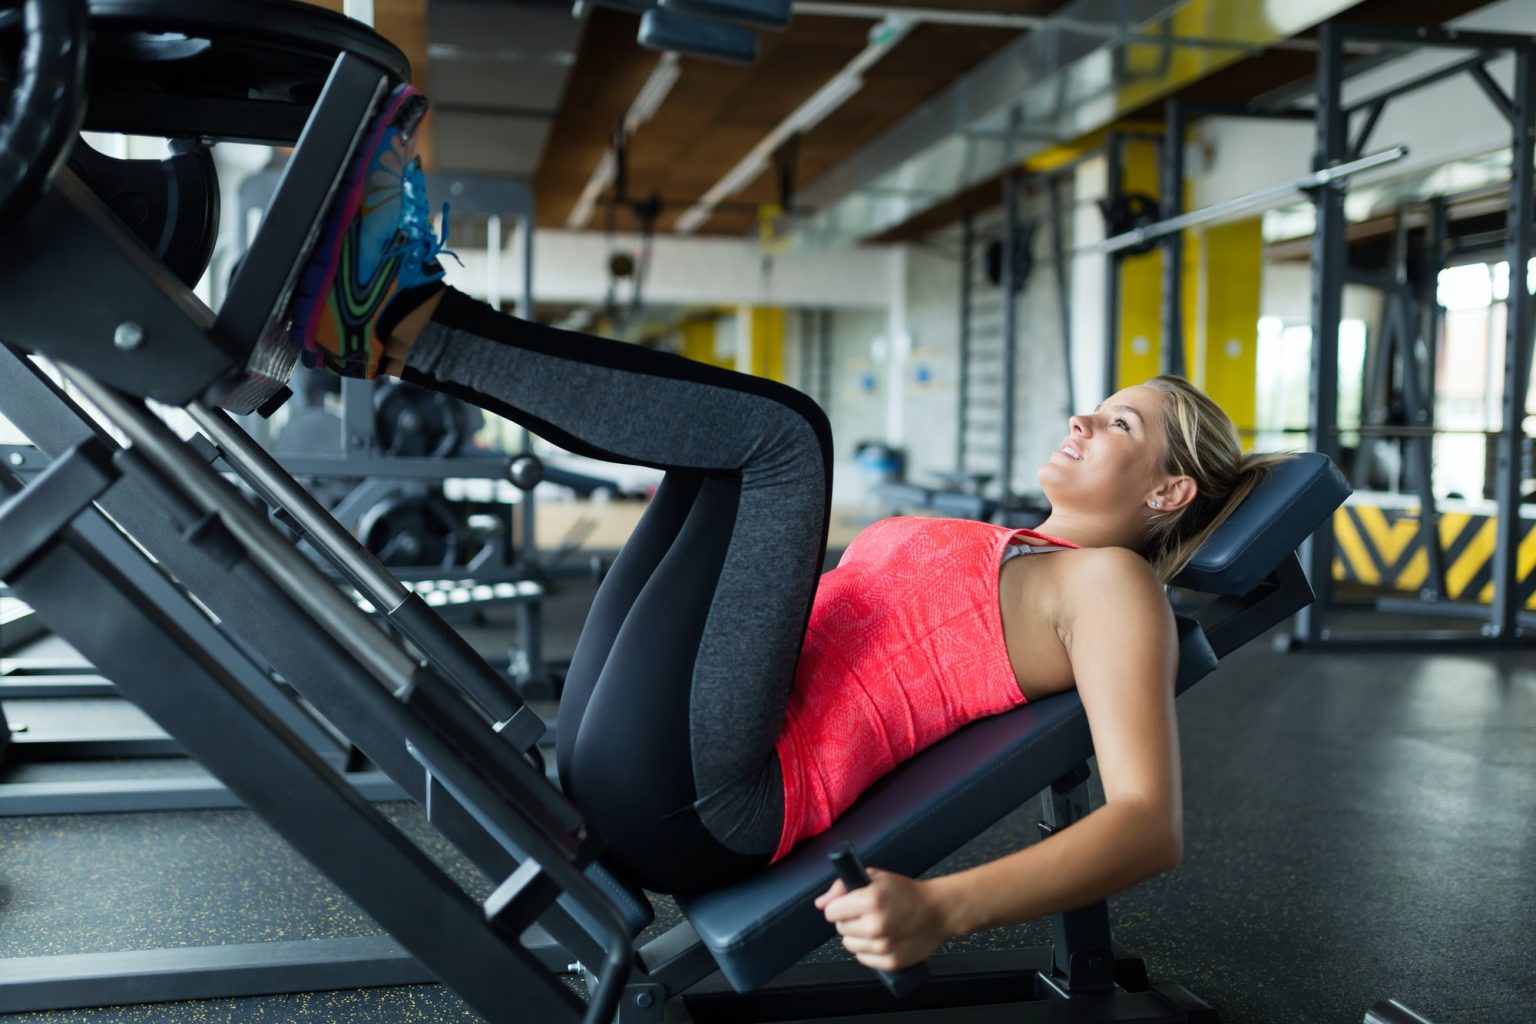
(1088, 64)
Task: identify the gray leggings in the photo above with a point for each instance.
(678, 687)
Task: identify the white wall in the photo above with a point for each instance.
(867, 366)
(1287, 294)
(571, 266)
(931, 380)
(1088, 279)
(857, 408)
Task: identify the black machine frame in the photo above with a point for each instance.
(1085, 963)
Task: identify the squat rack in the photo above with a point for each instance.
(1341, 138)
(1335, 143)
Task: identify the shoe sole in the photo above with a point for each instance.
(320, 273)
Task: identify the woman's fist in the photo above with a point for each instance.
(891, 923)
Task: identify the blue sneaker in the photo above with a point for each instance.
(377, 244)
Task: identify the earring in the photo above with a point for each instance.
(1156, 503)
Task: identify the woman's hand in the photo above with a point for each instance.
(891, 923)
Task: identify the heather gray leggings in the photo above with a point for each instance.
(679, 682)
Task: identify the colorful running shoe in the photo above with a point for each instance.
(376, 244)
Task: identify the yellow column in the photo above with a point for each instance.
(764, 329)
(1141, 279)
(1222, 272)
(698, 341)
(1228, 319)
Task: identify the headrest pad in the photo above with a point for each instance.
(1282, 511)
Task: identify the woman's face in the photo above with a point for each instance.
(1111, 458)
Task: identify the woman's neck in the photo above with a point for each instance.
(1091, 531)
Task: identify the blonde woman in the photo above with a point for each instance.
(724, 702)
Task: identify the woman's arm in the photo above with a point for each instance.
(1118, 631)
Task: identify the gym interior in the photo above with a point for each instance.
(279, 682)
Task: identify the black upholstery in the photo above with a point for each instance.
(1280, 514)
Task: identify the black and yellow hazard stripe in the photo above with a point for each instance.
(1383, 547)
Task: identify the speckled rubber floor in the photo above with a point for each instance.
(1357, 826)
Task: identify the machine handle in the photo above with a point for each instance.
(846, 863)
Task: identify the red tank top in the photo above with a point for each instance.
(904, 646)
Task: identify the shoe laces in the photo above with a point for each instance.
(416, 236)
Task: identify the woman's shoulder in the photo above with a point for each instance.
(1107, 574)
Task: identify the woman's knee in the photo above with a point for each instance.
(805, 432)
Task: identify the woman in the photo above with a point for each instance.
(721, 706)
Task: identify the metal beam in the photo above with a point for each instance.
(1322, 178)
(113, 796)
(1505, 611)
(1065, 77)
(1010, 300)
(1330, 256)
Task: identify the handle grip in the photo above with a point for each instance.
(848, 867)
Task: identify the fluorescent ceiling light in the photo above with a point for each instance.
(601, 176)
(739, 178)
(825, 100)
(692, 217)
(978, 19)
(653, 92)
(647, 101)
(837, 91)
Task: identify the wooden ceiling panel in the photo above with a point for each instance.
(610, 68)
(716, 113)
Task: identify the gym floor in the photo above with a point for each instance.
(1356, 825)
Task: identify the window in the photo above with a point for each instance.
(1283, 410)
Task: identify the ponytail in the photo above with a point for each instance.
(1201, 443)
(1186, 535)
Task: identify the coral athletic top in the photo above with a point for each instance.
(904, 646)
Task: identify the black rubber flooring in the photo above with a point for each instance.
(1357, 826)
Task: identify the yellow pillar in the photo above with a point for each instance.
(698, 341)
(764, 339)
(1227, 319)
(1141, 279)
(1223, 267)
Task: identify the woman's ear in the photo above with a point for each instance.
(1175, 494)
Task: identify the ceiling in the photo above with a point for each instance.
(526, 89)
(497, 74)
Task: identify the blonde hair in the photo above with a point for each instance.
(1201, 443)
